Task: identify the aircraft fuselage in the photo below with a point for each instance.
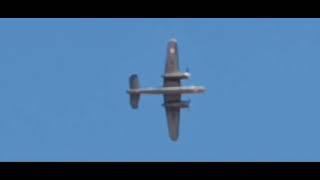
(169, 90)
(172, 90)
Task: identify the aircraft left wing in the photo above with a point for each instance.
(173, 116)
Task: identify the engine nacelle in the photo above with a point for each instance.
(178, 75)
(180, 104)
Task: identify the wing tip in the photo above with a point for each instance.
(174, 136)
(173, 40)
(174, 139)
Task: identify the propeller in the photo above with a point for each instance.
(189, 101)
(187, 69)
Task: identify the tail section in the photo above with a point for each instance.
(134, 81)
(134, 96)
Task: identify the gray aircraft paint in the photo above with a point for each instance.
(171, 90)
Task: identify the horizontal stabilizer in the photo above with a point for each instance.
(134, 97)
(134, 82)
(134, 100)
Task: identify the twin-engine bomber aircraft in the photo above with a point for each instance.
(171, 90)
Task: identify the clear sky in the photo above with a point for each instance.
(63, 83)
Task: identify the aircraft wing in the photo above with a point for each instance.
(173, 116)
(172, 66)
(172, 63)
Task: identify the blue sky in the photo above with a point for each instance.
(63, 83)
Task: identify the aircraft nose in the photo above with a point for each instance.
(202, 89)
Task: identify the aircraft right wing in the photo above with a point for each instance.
(172, 63)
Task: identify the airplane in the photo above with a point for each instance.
(172, 90)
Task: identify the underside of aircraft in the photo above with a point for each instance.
(172, 90)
